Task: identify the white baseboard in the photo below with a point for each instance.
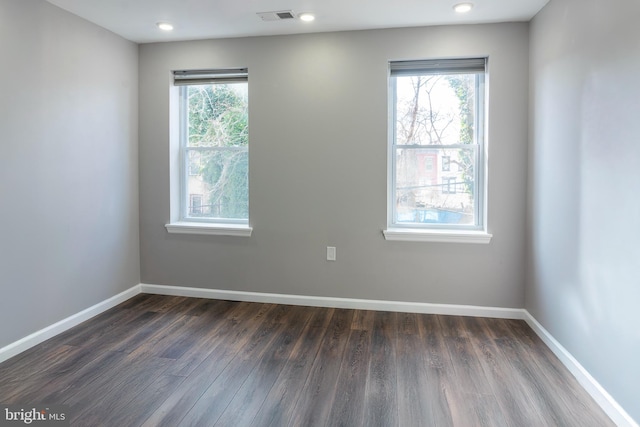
(608, 404)
(360, 304)
(42, 335)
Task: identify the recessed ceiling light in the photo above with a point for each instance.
(165, 26)
(306, 16)
(463, 7)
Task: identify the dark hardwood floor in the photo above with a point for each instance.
(173, 361)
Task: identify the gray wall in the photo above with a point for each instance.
(68, 166)
(318, 148)
(582, 282)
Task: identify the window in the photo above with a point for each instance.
(428, 163)
(446, 163)
(448, 185)
(195, 204)
(437, 111)
(214, 145)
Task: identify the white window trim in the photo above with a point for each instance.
(209, 229)
(436, 236)
(398, 232)
(178, 224)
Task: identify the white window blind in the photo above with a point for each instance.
(199, 77)
(438, 66)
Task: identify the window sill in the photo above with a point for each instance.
(448, 236)
(209, 229)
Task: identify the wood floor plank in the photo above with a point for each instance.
(509, 392)
(140, 407)
(57, 390)
(571, 400)
(114, 389)
(164, 304)
(235, 336)
(497, 328)
(316, 399)
(186, 306)
(104, 321)
(348, 406)
(363, 320)
(213, 402)
(475, 402)
(453, 326)
(212, 309)
(381, 404)
(482, 406)
(31, 357)
(119, 335)
(137, 303)
(407, 323)
(439, 368)
(174, 361)
(279, 404)
(415, 388)
(18, 382)
(132, 339)
(164, 341)
(215, 327)
(249, 398)
(525, 373)
(173, 409)
(185, 337)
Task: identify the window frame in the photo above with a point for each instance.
(474, 233)
(181, 222)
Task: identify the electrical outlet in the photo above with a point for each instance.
(331, 253)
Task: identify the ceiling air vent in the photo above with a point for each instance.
(276, 16)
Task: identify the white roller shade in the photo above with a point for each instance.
(438, 66)
(199, 77)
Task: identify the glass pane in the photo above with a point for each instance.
(435, 109)
(425, 193)
(221, 188)
(217, 115)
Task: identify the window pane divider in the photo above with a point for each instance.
(437, 147)
(234, 148)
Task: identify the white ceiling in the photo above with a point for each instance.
(201, 19)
